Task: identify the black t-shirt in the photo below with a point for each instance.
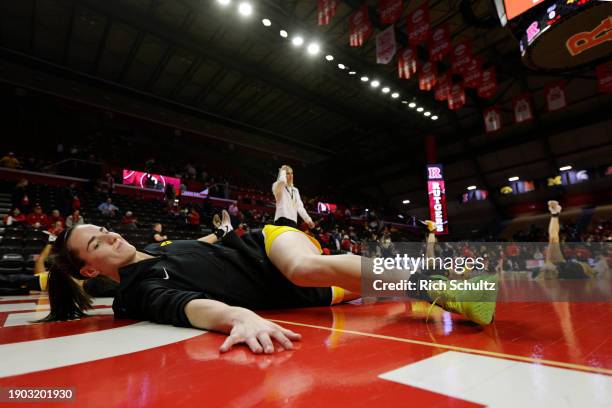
(236, 272)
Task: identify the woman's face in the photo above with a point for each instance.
(290, 177)
(102, 251)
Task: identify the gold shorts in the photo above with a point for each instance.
(271, 232)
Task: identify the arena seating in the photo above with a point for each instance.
(19, 244)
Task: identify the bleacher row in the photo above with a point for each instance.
(19, 248)
(20, 244)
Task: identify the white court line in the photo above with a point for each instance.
(25, 319)
(25, 297)
(45, 354)
(498, 382)
(107, 301)
(16, 307)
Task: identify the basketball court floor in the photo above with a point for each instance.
(366, 353)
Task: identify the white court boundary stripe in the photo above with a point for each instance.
(45, 354)
(28, 318)
(17, 307)
(25, 297)
(501, 383)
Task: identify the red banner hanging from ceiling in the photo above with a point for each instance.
(360, 27)
(488, 83)
(473, 73)
(456, 97)
(439, 43)
(419, 25)
(326, 10)
(385, 46)
(389, 11)
(436, 191)
(523, 111)
(492, 119)
(555, 96)
(442, 88)
(461, 56)
(406, 63)
(427, 76)
(604, 77)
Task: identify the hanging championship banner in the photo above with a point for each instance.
(521, 105)
(473, 73)
(407, 63)
(418, 25)
(488, 83)
(389, 11)
(492, 119)
(427, 76)
(436, 190)
(439, 43)
(604, 77)
(442, 88)
(461, 56)
(326, 10)
(360, 27)
(456, 97)
(385, 45)
(555, 96)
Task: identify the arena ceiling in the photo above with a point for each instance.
(235, 72)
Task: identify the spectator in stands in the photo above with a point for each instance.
(10, 161)
(175, 210)
(21, 196)
(74, 219)
(158, 235)
(345, 245)
(193, 218)
(14, 218)
(130, 220)
(38, 219)
(288, 201)
(107, 208)
(110, 184)
(55, 217)
(241, 230)
(76, 203)
(169, 195)
(56, 228)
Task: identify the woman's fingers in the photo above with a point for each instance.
(228, 343)
(290, 334)
(282, 339)
(266, 342)
(254, 345)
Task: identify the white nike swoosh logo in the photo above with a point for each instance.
(166, 272)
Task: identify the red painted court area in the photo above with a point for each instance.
(384, 353)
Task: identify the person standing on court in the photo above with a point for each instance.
(288, 201)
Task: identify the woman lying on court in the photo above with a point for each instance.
(210, 285)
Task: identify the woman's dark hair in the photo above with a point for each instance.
(66, 297)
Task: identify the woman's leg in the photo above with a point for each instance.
(554, 254)
(299, 260)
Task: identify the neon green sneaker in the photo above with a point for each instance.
(477, 305)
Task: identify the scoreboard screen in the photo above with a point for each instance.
(517, 7)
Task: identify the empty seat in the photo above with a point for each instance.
(14, 233)
(9, 241)
(11, 263)
(36, 233)
(35, 243)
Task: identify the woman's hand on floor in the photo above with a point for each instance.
(258, 334)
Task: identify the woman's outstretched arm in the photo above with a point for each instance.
(242, 325)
